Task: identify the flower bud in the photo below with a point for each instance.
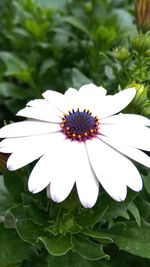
(146, 109)
(141, 94)
(141, 43)
(121, 53)
(142, 12)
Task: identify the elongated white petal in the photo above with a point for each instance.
(56, 99)
(129, 151)
(91, 98)
(40, 176)
(28, 128)
(114, 104)
(113, 170)
(27, 149)
(16, 161)
(44, 104)
(91, 90)
(132, 135)
(63, 170)
(72, 99)
(127, 119)
(39, 114)
(86, 181)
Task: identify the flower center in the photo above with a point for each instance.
(79, 125)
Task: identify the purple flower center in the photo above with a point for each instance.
(79, 125)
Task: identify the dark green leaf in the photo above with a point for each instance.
(75, 22)
(79, 79)
(26, 228)
(132, 238)
(88, 249)
(57, 245)
(12, 248)
(8, 89)
(91, 217)
(98, 235)
(13, 63)
(5, 198)
(14, 184)
(147, 183)
(71, 260)
(135, 212)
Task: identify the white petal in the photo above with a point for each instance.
(129, 151)
(44, 104)
(90, 90)
(112, 169)
(40, 176)
(114, 104)
(26, 150)
(128, 119)
(91, 98)
(72, 99)
(86, 182)
(39, 114)
(56, 99)
(27, 128)
(63, 170)
(136, 136)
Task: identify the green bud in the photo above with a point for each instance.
(141, 43)
(141, 94)
(121, 53)
(142, 12)
(146, 109)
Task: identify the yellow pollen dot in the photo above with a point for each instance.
(62, 125)
(86, 134)
(67, 128)
(91, 131)
(74, 135)
(79, 136)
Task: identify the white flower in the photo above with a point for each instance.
(78, 140)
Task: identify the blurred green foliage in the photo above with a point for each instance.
(56, 44)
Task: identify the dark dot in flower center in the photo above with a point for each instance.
(79, 125)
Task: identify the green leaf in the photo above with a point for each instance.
(8, 89)
(35, 28)
(132, 238)
(79, 79)
(71, 259)
(53, 3)
(88, 249)
(5, 198)
(13, 63)
(57, 245)
(14, 184)
(26, 228)
(147, 182)
(12, 248)
(75, 22)
(135, 212)
(91, 217)
(98, 235)
(47, 64)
